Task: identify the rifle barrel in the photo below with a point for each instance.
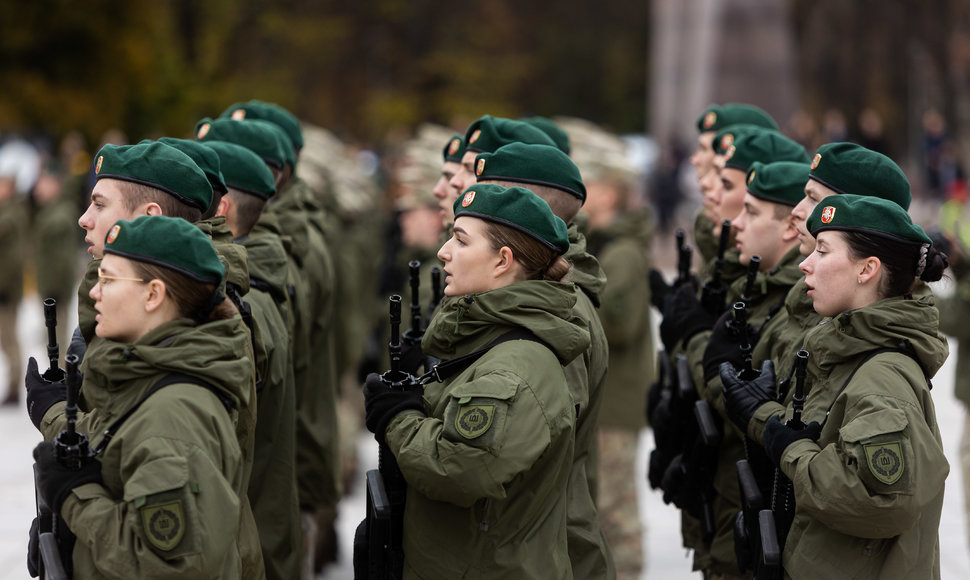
(414, 272)
(53, 373)
(753, 266)
(394, 343)
(798, 399)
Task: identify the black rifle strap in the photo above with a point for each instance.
(278, 295)
(169, 379)
(449, 368)
(234, 293)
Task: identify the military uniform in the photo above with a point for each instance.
(56, 258)
(856, 514)
(492, 504)
(13, 222)
(176, 459)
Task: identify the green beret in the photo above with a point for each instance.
(851, 168)
(764, 146)
(204, 157)
(865, 213)
(717, 117)
(168, 242)
(244, 170)
(552, 130)
(779, 182)
(455, 149)
(489, 133)
(275, 114)
(537, 164)
(156, 165)
(517, 208)
(261, 137)
(725, 138)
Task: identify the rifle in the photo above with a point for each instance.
(684, 255)
(54, 373)
(783, 496)
(72, 451)
(386, 487)
(436, 293)
(703, 464)
(754, 266)
(412, 358)
(714, 291)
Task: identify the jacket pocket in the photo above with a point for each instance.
(478, 410)
(164, 504)
(879, 445)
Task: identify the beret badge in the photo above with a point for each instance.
(726, 141)
(816, 160)
(97, 167)
(750, 177)
(453, 146)
(468, 199)
(709, 119)
(203, 130)
(239, 114)
(113, 233)
(828, 214)
(475, 136)
(480, 167)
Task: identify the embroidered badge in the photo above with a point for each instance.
(203, 130)
(816, 160)
(750, 177)
(474, 420)
(730, 152)
(113, 233)
(709, 119)
(97, 167)
(726, 141)
(239, 114)
(468, 199)
(453, 146)
(475, 136)
(480, 167)
(827, 214)
(164, 525)
(885, 461)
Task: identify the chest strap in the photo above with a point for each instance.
(169, 379)
(449, 368)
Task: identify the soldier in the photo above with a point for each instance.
(13, 219)
(272, 486)
(550, 174)
(487, 454)
(443, 189)
(552, 130)
(868, 468)
(487, 134)
(619, 236)
(164, 391)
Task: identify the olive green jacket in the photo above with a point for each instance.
(56, 241)
(589, 553)
(13, 227)
(272, 486)
(175, 459)
(621, 248)
(954, 314)
(318, 464)
(487, 498)
(869, 492)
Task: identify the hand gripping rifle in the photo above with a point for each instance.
(714, 291)
(72, 451)
(783, 496)
(386, 488)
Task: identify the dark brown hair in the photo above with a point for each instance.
(538, 261)
(192, 298)
(137, 194)
(899, 258)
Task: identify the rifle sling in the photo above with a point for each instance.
(169, 379)
(449, 368)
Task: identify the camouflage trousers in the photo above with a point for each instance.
(617, 503)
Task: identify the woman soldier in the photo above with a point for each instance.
(487, 453)
(868, 469)
(161, 500)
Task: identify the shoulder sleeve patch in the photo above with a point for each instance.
(473, 420)
(164, 524)
(885, 461)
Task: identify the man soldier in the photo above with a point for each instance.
(443, 190)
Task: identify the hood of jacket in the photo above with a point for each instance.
(233, 255)
(214, 352)
(911, 319)
(586, 271)
(267, 262)
(468, 323)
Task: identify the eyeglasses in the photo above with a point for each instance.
(104, 278)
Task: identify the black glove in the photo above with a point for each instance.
(724, 345)
(742, 398)
(41, 393)
(778, 436)
(684, 318)
(381, 404)
(65, 546)
(55, 482)
(659, 289)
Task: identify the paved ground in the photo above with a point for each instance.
(664, 556)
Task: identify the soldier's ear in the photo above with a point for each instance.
(504, 262)
(155, 292)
